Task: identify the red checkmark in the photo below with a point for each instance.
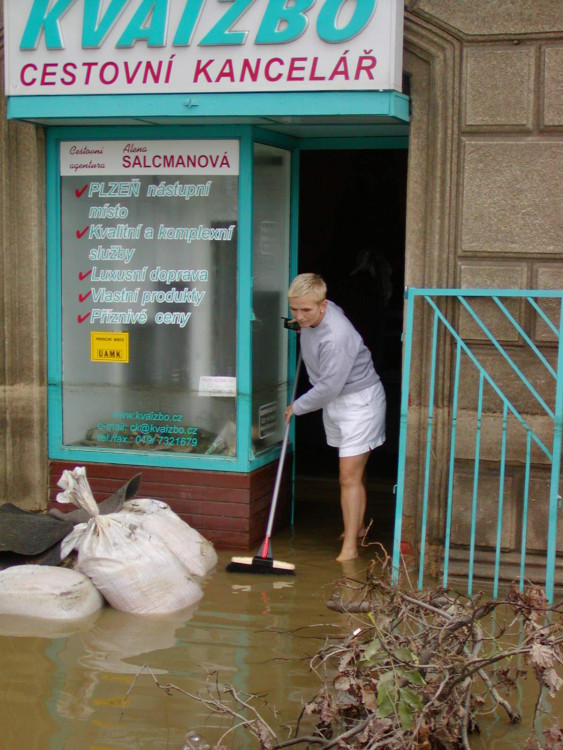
(80, 234)
(82, 276)
(78, 193)
(82, 297)
(82, 318)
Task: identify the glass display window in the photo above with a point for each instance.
(270, 252)
(158, 299)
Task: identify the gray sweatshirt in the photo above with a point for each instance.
(337, 361)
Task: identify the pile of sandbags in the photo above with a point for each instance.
(141, 558)
(157, 519)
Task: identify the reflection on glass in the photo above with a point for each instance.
(270, 271)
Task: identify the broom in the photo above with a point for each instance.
(264, 562)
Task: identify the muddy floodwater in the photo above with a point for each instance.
(92, 689)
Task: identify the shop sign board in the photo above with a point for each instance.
(55, 47)
(148, 234)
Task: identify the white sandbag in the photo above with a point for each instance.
(47, 592)
(135, 572)
(196, 553)
(77, 490)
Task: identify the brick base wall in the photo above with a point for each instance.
(229, 509)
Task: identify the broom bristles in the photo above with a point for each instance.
(260, 565)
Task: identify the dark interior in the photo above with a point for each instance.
(352, 231)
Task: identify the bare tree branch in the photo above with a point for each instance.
(416, 672)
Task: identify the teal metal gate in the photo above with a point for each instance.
(485, 402)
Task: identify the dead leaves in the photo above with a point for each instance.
(424, 667)
(553, 738)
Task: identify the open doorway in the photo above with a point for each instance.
(352, 215)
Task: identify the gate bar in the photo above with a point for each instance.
(451, 474)
(431, 393)
(403, 419)
(475, 483)
(526, 505)
(554, 498)
(500, 498)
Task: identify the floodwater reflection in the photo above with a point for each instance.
(86, 689)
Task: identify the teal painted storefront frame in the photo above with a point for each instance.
(249, 118)
(142, 108)
(430, 301)
(111, 117)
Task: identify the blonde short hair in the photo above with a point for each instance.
(308, 285)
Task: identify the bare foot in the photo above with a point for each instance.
(347, 554)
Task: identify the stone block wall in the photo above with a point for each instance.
(23, 403)
(484, 211)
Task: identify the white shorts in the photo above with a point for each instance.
(355, 422)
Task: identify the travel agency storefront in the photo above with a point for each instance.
(173, 134)
(198, 153)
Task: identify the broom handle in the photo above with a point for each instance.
(282, 455)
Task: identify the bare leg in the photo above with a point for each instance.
(353, 502)
(361, 533)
